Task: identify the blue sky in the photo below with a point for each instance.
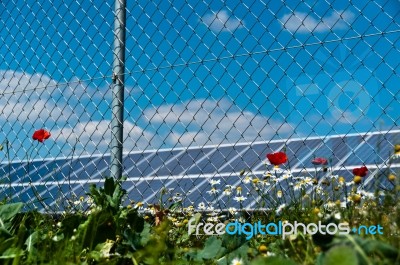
(198, 72)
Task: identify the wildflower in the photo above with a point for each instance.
(341, 180)
(239, 190)
(392, 177)
(213, 191)
(356, 198)
(232, 210)
(357, 179)
(325, 182)
(297, 186)
(396, 151)
(212, 219)
(210, 208)
(367, 194)
(227, 192)
(239, 198)
(361, 171)
(247, 180)
(316, 210)
(214, 182)
(41, 135)
(237, 261)
(189, 209)
(202, 206)
(177, 197)
(255, 181)
(334, 177)
(329, 205)
(139, 205)
(337, 216)
(277, 159)
(319, 161)
(262, 249)
(279, 194)
(267, 175)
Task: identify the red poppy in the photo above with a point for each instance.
(360, 171)
(319, 161)
(277, 159)
(41, 135)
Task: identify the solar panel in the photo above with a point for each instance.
(187, 171)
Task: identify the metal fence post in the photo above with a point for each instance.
(117, 121)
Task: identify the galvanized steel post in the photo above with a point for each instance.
(117, 121)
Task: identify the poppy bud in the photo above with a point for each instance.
(392, 177)
(357, 179)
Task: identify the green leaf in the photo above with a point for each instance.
(211, 248)
(11, 253)
(145, 235)
(109, 186)
(373, 246)
(32, 240)
(8, 211)
(104, 249)
(341, 255)
(6, 244)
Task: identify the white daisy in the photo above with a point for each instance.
(367, 194)
(201, 206)
(214, 182)
(232, 210)
(247, 180)
(239, 198)
(227, 192)
(212, 219)
(213, 191)
(395, 156)
(337, 216)
(210, 208)
(237, 261)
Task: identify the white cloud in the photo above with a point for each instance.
(305, 23)
(212, 122)
(95, 137)
(222, 21)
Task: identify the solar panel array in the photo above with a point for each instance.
(185, 172)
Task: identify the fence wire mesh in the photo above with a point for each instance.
(210, 88)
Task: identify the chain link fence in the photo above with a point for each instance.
(210, 88)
